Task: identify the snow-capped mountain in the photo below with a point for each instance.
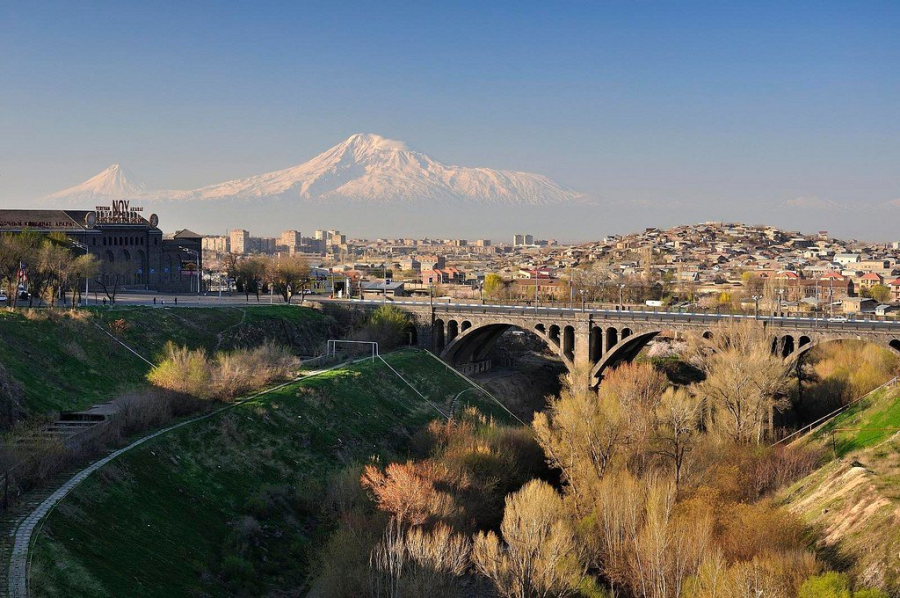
(113, 183)
(363, 169)
(372, 169)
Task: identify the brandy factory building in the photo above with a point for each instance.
(125, 243)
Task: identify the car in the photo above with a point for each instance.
(3, 298)
(24, 296)
(837, 319)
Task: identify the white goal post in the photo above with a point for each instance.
(333, 343)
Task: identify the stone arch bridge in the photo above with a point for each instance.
(465, 333)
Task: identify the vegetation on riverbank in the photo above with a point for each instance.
(235, 502)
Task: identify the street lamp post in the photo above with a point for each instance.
(621, 288)
(756, 313)
(581, 292)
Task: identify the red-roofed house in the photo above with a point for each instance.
(787, 275)
(869, 280)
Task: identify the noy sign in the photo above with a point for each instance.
(120, 212)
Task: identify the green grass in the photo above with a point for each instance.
(219, 328)
(868, 423)
(65, 363)
(159, 521)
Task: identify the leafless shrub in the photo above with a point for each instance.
(226, 375)
(418, 562)
(73, 349)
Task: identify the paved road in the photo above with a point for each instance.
(867, 322)
(642, 312)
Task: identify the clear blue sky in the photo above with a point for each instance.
(692, 104)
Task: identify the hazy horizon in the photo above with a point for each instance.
(664, 113)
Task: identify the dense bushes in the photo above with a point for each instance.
(386, 325)
(662, 492)
(225, 375)
(416, 541)
(836, 373)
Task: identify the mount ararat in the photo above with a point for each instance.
(364, 169)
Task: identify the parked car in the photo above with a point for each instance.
(3, 299)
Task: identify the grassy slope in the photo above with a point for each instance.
(166, 508)
(852, 504)
(881, 410)
(66, 363)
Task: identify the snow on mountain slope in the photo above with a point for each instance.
(113, 183)
(363, 169)
(372, 169)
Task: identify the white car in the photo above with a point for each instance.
(3, 299)
(837, 319)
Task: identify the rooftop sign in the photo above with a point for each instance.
(120, 212)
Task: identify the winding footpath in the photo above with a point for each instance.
(27, 527)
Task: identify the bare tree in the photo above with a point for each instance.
(16, 250)
(250, 273)
(582, 432)
(677, 417)
(110, 276)
(289, 275)
(745, 380)
(537, 556)
(84, 267)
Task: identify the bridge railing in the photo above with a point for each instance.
(647, 313)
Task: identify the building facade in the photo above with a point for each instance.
(240, 241)
(131, 249)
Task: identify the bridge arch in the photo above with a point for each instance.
(475, 343)
(554, 335)
(612, 337)
(452, 330)
(806, 344)
(568, 342)
(595, 346)
(786, 345)
(623, 351)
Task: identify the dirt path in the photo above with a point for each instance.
(221, 335)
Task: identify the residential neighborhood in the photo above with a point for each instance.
(713, 265)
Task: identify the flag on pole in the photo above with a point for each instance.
(23, 272)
